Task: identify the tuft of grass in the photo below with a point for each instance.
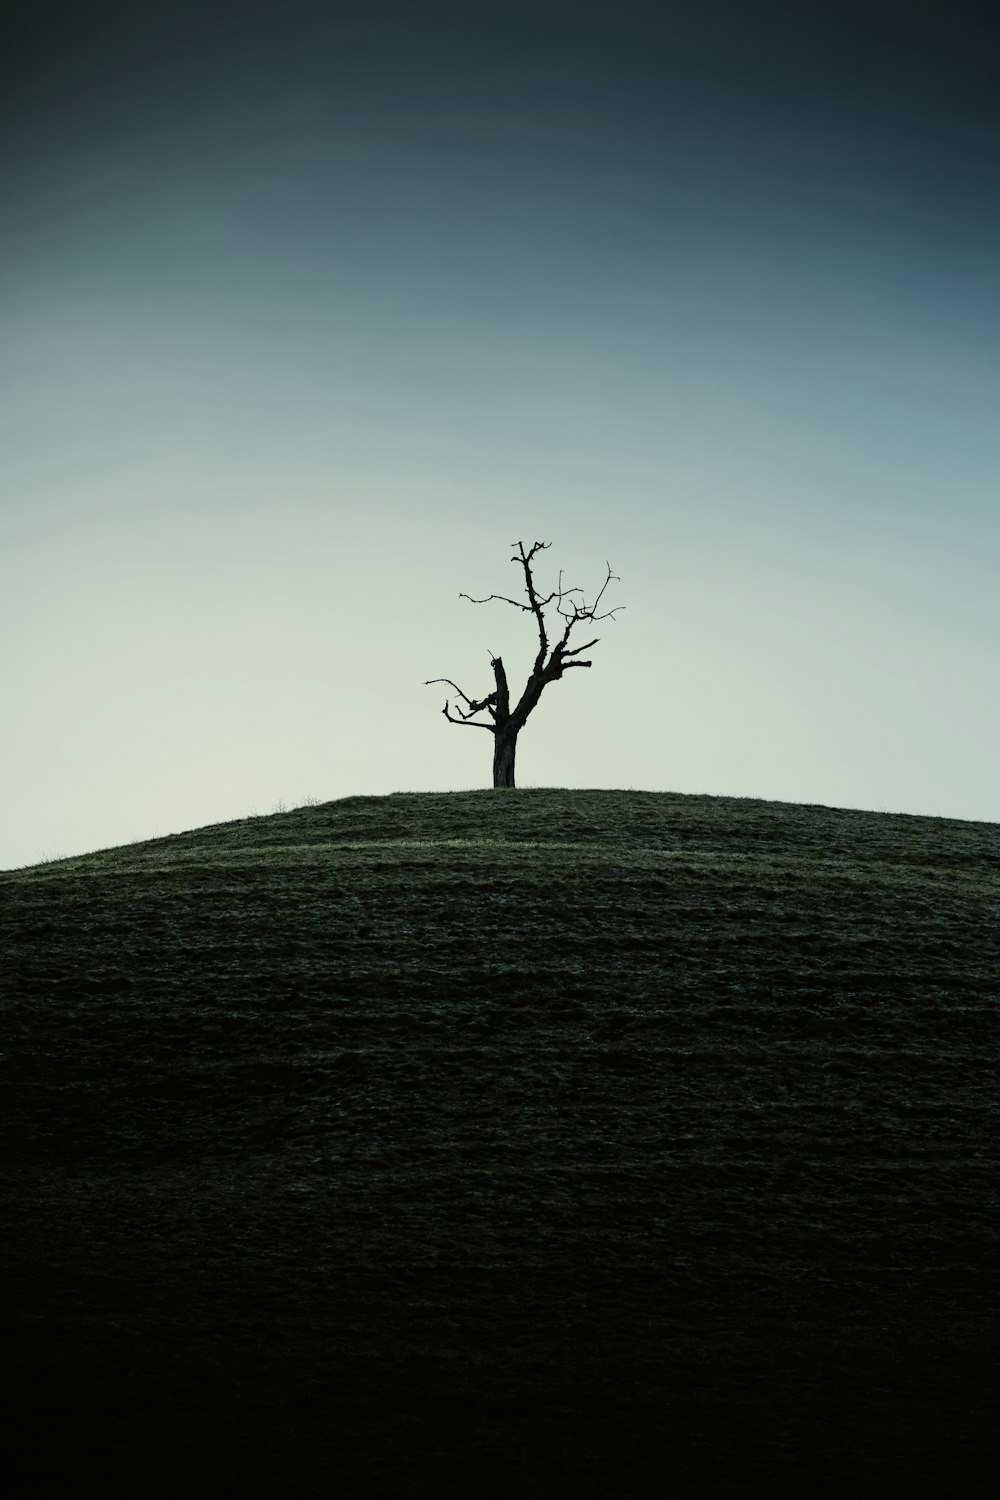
(542, 1138)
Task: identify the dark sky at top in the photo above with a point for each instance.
(911, 90)
(669, 177)
(779, 124)
(500, 146)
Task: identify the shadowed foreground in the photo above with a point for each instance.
(560, 1140)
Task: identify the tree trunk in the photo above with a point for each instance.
(504, 746)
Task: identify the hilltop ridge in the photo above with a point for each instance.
(533, 814)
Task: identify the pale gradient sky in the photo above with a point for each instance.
(308, 312)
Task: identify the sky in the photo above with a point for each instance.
(309, 312)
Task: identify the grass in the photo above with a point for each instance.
(559, 1140)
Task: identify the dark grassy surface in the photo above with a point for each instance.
(541, 1142)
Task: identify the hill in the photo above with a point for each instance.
(564, 1141)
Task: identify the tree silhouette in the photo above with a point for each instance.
(505, 723)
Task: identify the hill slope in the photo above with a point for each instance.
(552, 1137)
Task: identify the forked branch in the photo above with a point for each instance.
(476, 706)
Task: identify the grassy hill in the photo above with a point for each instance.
(569, 1142)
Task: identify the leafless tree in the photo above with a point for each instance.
(552, 660)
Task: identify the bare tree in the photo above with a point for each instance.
(503, 722)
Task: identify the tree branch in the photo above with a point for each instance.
(468, 721)
(577, 649)
(464, 696)
(594, 614)
(475, 706)
(536, 605)
(503, 600)
(586, 611)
